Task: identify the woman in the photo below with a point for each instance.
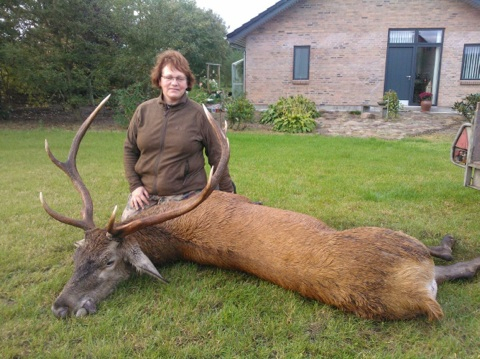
(163, 151)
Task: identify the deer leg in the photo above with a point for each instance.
(459, 270)
(444, 250)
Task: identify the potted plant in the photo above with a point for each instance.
(425, 101)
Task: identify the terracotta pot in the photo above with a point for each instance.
(426, 105)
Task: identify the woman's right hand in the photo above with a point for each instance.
(139, 198)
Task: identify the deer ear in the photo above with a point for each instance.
(140, 261)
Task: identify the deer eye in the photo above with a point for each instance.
(110, 263)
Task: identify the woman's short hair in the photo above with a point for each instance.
(176, 61)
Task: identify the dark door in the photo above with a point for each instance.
(399, 75)
(413, 63)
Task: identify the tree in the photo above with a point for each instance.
(63, 48)
(157, 25)
(75, 51)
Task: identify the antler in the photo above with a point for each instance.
(187, 205)
(69, 167)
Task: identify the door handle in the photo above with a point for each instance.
(409, 77)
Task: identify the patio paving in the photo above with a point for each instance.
(407, 124)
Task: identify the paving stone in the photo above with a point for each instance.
(407, 124)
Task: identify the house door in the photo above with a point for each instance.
(400, 74)
(413, 63)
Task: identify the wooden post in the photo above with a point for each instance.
(472, 173)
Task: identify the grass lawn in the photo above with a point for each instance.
(204, 312)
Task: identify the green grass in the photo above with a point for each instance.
(205, 312)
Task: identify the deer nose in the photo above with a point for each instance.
(61, 308)
(60, 311)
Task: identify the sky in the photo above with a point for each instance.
(236, 13)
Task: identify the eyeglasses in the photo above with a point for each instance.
(179, 79)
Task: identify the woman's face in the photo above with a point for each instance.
(173, 84)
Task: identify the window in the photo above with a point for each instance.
(471, 62)
(430, 36)
(421, 36)
(401, 36)
(301, 62)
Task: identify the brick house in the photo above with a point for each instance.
(345, 54)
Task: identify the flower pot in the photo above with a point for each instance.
(426, 105)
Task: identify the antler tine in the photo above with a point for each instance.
(61, 218)
(69, 167)
(189, 204)
(111, 221)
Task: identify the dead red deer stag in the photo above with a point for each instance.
(373, 272)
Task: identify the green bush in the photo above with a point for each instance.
(393, 105)
(4, 111)
(75, 101)
(127, 100)
(239, 111)
(198, 94)
(293, 114)
(269, 116)
(468, 106)
(294, 123)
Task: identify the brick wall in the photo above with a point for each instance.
(348, 40)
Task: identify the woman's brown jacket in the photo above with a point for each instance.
(164, 147)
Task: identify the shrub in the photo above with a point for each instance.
(212, 85)
(393, 105)
(127, 100)
(4, 110)
(75, 101)
(293, 114)
(468, 106)
(239, 111)
(198, 94)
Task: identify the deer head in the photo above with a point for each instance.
(104, 257)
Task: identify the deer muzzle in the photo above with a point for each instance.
(62, 309)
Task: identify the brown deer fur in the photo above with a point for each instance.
(373, 272)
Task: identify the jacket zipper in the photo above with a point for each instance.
(162, 145)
